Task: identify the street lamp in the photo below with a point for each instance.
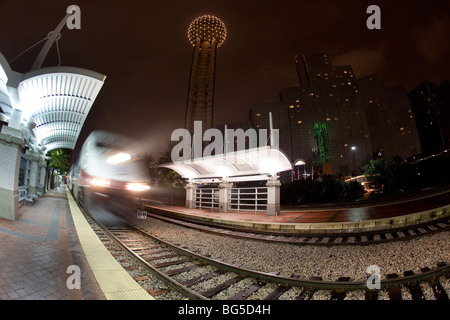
(354, 159)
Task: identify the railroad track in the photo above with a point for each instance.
(200, 277)
(360, 238)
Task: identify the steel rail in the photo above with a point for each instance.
(241, 233)
(314, 284)
(160, 275)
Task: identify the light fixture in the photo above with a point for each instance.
(137, 186)
(100, 182)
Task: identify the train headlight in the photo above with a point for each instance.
(99, 182)
(137, 187)
(118, 158)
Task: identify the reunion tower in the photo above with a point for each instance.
(206, 34)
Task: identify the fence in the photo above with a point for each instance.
(248, 199)
(206, 198)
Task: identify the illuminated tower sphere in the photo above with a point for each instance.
(206, 33)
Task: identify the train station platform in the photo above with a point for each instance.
(329, 218)
(40, 248)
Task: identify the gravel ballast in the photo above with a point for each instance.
(329, 263)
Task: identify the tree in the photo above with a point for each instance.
(151, 165)
(375, 172)
(354, 190)
(166, 176)
(59, 160)
(388, 176)
(162, 176)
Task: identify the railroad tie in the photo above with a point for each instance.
(209, 293)
(275, 294)
(247, 292)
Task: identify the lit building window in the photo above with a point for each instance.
(401, 129)
(299, 121)
(291, 106)
(258, 114)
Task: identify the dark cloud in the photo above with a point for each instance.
(364, 61)
(433, 39)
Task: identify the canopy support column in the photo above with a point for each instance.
(224, 191)
(190, 194)
(273, 196)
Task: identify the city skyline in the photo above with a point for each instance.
(147, 67)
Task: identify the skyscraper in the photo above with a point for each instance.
(430, 104)
(206, 34)
(337, 122)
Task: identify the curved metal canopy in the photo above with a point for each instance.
(245, 165)
(58, 100)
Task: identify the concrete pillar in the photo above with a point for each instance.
(273, 196)
(11, 145)
(34, 159)
(224, 191)
(42, 167)
(15, 119)
(190, 194)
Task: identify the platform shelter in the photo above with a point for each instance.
(246, 180)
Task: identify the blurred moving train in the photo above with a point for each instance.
(106, 173)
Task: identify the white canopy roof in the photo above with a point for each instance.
(246, 165)
(58, 100)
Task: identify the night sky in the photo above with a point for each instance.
(142, 48)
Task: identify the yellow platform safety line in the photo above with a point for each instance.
(114, 281)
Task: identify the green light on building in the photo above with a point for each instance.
(322, 143)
